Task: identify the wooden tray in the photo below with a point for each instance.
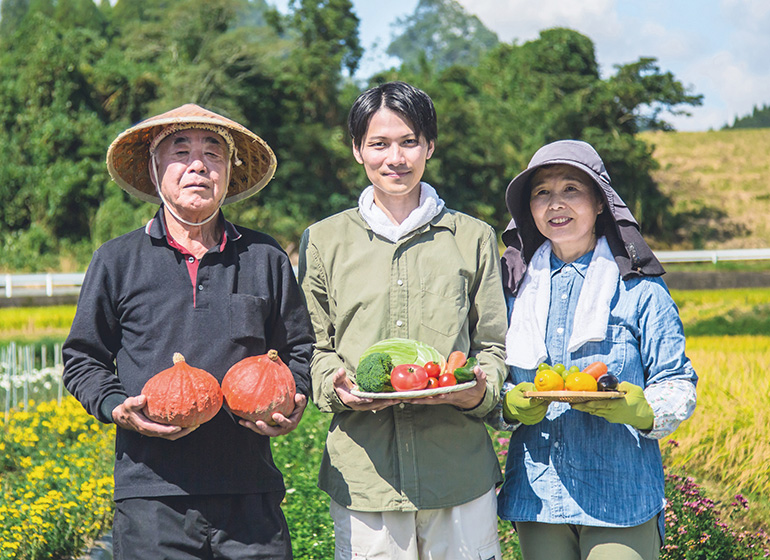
(415, 394)
(574, 396)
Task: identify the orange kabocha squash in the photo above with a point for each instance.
(182, 395)
(257, 387)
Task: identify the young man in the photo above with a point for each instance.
(193, 283)
(406, 480)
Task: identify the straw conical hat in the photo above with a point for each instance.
(129, 154)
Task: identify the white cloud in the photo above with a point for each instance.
(522, 20)
(749, 10)
(749, 21)
(718, 48)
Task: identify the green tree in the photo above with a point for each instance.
(56, 140)
(443, 34)
(300, 108)
(74, 74)
(11, 14)
(759, 118)
(495, 115)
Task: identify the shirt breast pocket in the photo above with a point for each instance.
(444, 304)
(616, 350)
(248, 315)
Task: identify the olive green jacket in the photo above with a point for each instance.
(441, 286)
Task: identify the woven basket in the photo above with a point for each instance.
(574, 396)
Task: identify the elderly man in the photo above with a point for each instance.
(189, 282)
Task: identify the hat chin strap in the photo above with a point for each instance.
(171, 211)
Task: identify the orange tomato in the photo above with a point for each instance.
(596, 369)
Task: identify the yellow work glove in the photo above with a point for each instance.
(633, 409)
(518, 408)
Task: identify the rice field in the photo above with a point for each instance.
(724, 447)
(726, 440)
(36, 321)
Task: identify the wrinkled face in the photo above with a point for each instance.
(393, 156)
(193, 172)
(564, 204)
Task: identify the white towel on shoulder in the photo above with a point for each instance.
(525, 339)
(430, 207)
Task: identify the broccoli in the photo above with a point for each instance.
(373, 373)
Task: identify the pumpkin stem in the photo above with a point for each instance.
(272, 355)
(177, 357)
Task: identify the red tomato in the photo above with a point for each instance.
(433, 369)
(432, 383)
(447, 380)
(409, 377)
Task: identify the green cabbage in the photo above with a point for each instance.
(406, 351)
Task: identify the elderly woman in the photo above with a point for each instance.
(585, 481)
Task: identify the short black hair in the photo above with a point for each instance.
(408, 101)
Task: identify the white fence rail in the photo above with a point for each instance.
(713, 256)
(55, 284)
(30, 285)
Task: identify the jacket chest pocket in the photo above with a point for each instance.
(248, 317)
(444, 304)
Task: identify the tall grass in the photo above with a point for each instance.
(726, 441)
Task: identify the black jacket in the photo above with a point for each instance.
(136, 309)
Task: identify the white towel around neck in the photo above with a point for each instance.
(525, 339)
(429, 208)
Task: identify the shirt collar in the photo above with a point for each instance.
(156, 228)
(580, 265)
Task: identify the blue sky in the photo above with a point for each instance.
(718, 48)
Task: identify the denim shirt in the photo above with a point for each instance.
(580, 469)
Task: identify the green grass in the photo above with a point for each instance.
(298, 456)
(724, 312)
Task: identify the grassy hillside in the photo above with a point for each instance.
(719, 183)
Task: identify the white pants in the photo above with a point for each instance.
(467, 531)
